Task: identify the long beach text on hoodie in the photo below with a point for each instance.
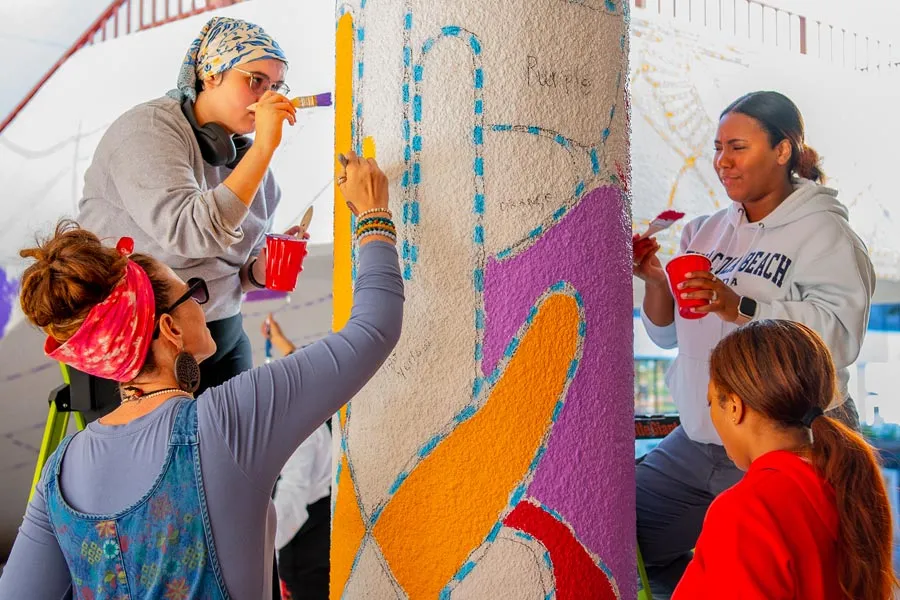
(801, 263)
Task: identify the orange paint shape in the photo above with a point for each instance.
(451, 500)
(342, 284)
(347, 531)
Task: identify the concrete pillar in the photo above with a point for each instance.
(492, 456)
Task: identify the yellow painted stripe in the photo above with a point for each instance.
(343, 118)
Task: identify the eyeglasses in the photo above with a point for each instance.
(260, 83)
(197, 291)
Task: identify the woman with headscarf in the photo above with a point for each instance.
(179, 176)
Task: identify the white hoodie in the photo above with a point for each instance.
(801, 263)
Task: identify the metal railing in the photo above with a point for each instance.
(120, 18)
(769, 25)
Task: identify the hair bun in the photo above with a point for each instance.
(807, 165)
(72, 273)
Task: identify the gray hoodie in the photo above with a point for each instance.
(149, 182)
(802, 263)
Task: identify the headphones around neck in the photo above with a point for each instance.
(217, 146)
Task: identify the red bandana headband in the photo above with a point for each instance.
(112, 342)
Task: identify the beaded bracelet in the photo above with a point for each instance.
(372, 211)
(379, 221)
(361, 222)
(386, 234)
(377, 231)
(368, 224)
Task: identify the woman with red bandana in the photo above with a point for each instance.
(167, 497)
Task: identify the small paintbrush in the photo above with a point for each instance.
(662, 222)
(304, 101)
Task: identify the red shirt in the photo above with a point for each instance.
(773, 536)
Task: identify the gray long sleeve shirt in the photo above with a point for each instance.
(148, 181)
(248, 426)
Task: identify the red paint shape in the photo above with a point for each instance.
(577, 576)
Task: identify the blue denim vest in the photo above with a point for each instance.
(160, 547)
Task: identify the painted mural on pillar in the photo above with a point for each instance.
(492, 455)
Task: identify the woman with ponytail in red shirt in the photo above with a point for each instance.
(810, 520)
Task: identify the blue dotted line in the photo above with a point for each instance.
(577, 191)
(356, 126)
(580, 186)
(408, 250)
(413, 140)
(412, 151)
(412, 100)
(548, 562)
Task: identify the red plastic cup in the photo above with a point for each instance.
(284, 261)
(677, 269)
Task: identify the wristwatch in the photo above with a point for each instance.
(746, 310)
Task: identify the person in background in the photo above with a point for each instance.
(783, 249)
(303, 504)
(179, 175)
(811, 519)
(165, 496)
(271, 330)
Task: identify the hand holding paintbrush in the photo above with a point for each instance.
(645, 263)
(304, 101)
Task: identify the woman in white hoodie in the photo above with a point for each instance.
(783, 250)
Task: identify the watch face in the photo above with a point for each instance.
(747, 307)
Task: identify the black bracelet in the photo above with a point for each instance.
(251, 278)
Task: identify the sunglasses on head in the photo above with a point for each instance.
(197, 291)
